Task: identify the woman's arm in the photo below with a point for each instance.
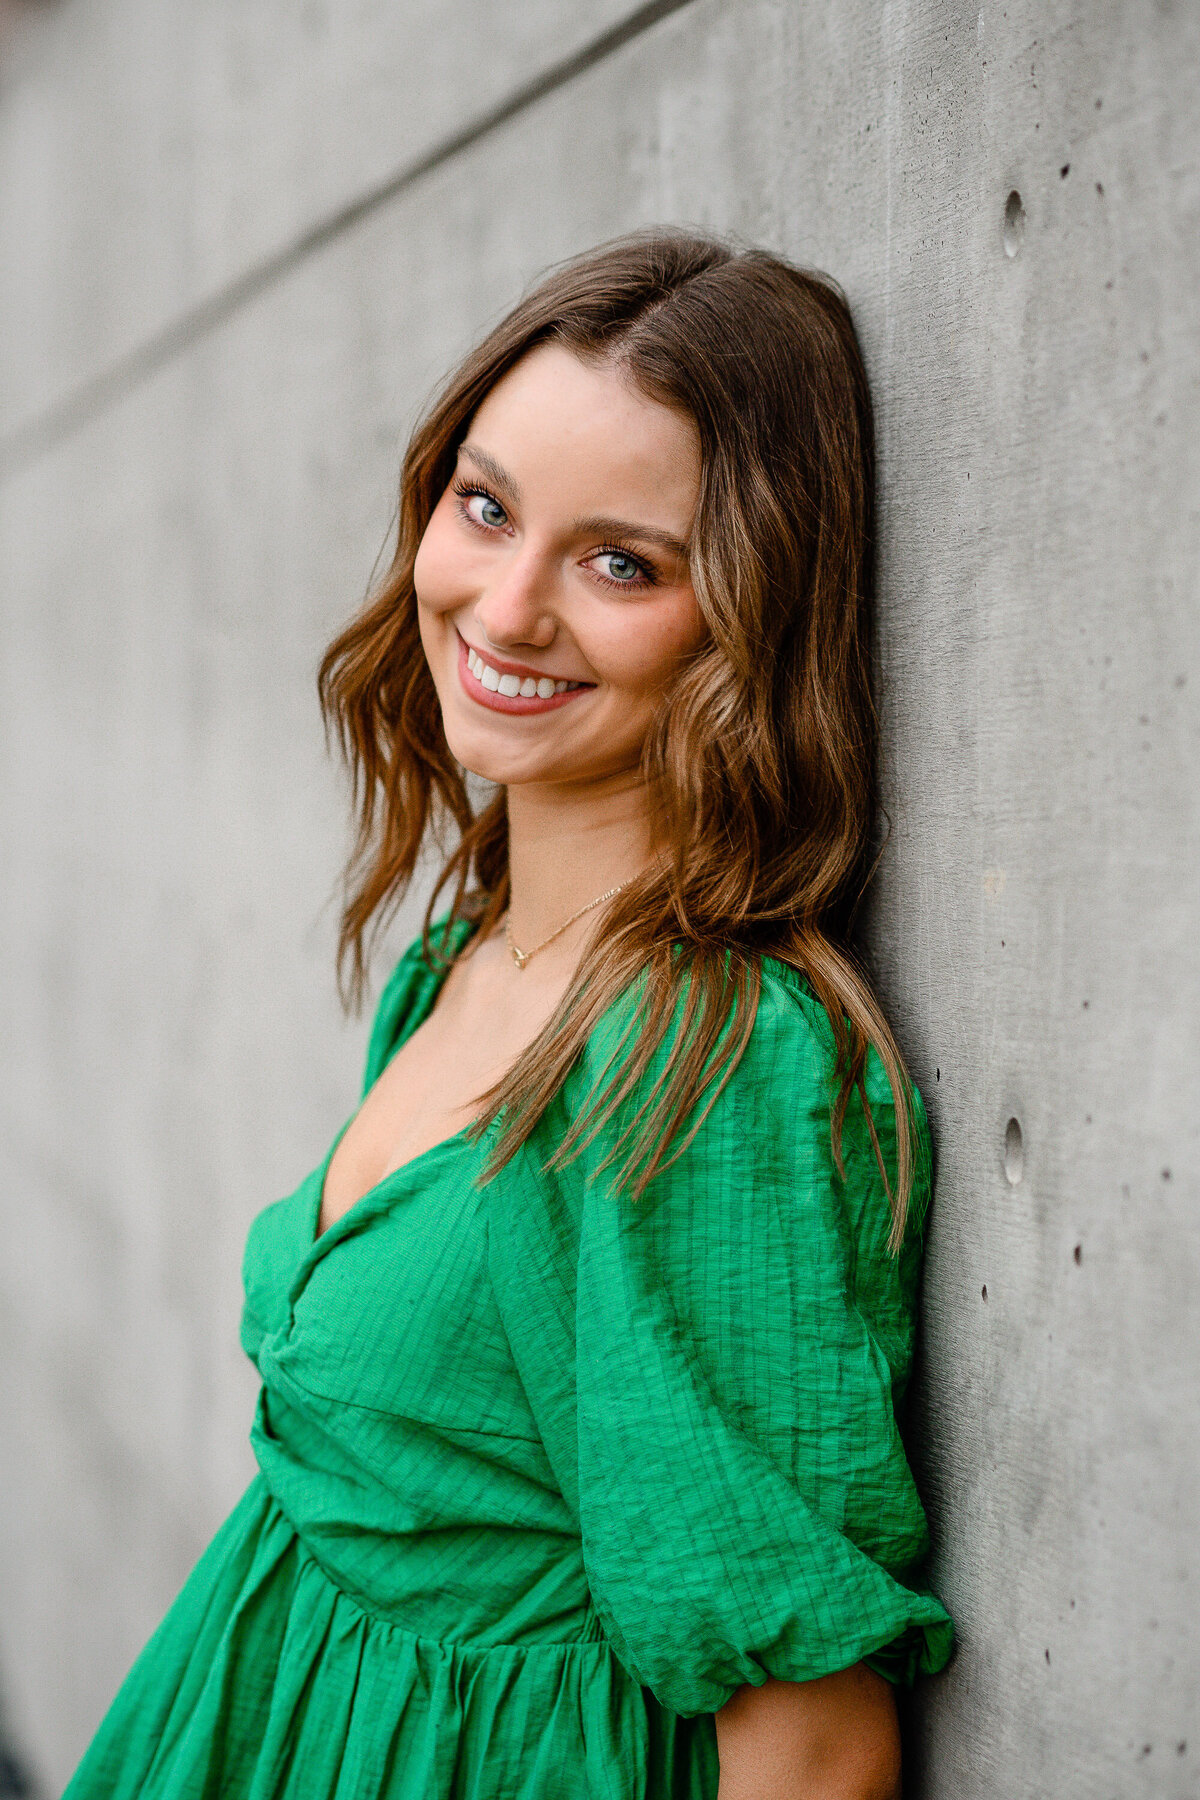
(836, 1738)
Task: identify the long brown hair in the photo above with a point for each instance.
(762, 762)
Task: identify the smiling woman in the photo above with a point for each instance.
(534, 544)
(532, 564)
(581, 1350)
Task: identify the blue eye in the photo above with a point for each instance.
(621, 567)
(484, 510)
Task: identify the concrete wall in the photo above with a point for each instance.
(238, 242)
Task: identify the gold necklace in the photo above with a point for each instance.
(521, 957)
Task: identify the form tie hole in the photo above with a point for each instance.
(1014, 1151)
(1014, 223)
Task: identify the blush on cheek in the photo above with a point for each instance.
(641, 661)
(429, 574)
(438, 568)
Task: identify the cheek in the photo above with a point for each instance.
(437, 569)
(641, 652)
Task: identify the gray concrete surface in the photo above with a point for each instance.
(237, 245)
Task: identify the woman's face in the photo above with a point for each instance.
(552, 582)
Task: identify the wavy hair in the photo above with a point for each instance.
(761, 766)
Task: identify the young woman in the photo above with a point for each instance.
(580, 1351)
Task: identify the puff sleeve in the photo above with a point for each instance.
(741, 1339)
(409, 988)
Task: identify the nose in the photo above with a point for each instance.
(517, 607)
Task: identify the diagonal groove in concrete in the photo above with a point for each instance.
(35, 436)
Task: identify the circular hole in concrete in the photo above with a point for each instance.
(1014, 223)
(1014, 1151)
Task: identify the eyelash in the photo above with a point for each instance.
(467, 490)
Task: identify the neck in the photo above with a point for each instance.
(567, 845)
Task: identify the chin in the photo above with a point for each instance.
(505, 765)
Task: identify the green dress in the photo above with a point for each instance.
(545, 1474)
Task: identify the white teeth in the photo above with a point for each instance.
(544, 686)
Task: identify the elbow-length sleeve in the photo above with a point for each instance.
(742, 1337)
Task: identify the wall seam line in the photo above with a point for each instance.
(90, 398)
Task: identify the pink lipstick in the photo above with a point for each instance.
(509, 687)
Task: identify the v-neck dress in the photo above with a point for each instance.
(546, 1474)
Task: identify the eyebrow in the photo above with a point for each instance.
(596, 525)
(626, 528)
(491, 468)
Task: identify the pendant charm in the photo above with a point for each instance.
(521, 957)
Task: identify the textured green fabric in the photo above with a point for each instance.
(547, 1474)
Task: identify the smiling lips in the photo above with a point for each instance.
(510, 687)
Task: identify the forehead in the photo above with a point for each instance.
(556, 419)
